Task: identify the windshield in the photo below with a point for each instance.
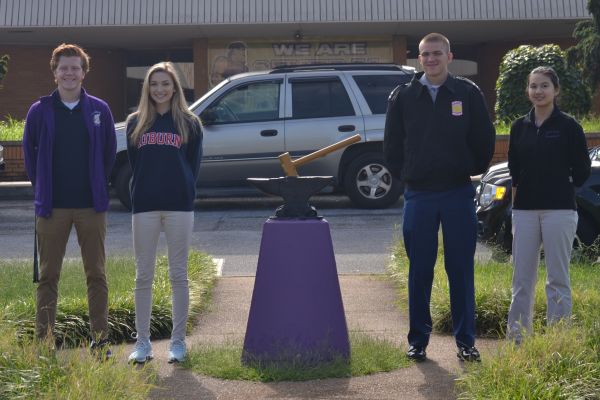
(211, 91)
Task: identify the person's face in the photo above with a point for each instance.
(161, 90)
(238, 55)
(541, 91)
(69, 74)
(434, 58)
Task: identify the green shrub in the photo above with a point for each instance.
(11, 130)
(574, 98)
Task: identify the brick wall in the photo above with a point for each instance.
(29, 77)
(501, 150)
(14, 169)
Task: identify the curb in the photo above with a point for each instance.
(21, 190)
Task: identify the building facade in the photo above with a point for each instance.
(212, 39)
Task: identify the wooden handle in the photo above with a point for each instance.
(326, 150)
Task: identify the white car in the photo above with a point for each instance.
(250, 119)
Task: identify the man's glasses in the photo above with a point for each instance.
(436, 54)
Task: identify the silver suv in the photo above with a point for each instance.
(251, 118)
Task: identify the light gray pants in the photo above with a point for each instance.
(556, 230)
(146, 227)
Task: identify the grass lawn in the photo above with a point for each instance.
(590, 124)
(557, 362)
(17, 297)
(368, 357)
(34, 371)
(29, 369)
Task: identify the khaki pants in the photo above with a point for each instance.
(555, 229)
(53, 234)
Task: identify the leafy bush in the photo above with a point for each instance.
(586, 53)
(512, 101)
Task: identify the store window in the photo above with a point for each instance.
(138, 63)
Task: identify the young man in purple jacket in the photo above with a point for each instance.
(70, 145)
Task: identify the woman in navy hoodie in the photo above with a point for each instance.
(164, 145)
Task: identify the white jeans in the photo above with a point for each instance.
(146, 227)
(556, 230)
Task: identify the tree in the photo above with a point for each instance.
(585, 55)
(574, 98)
(3, 66)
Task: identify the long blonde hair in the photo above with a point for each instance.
(146, 112)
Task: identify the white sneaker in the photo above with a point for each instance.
(142, 352)
(177, 351)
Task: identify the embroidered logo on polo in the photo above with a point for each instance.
(96, 118)
(457, 108)
(160, 138)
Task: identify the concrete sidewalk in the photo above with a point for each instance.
(369, 302)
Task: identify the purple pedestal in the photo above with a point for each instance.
(296, 312)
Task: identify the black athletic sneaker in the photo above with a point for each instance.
(416, 353)
(468, 354)
(101, 349)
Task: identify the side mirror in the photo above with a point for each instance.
(208, 116)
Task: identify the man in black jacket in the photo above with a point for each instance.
(438, 133)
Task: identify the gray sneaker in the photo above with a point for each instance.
(142, 352)
(177, 351)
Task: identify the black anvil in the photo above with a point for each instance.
(295, 190)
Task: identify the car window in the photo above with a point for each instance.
(376, 89)
(245, 103)
(320, 98)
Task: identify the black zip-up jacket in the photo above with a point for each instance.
(547, 163)
(438, 146)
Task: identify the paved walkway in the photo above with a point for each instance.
(369, 303)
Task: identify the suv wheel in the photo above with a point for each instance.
(369, 183)
(122, 185)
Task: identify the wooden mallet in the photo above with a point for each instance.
(289, 165)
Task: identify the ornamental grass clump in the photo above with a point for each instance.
(561, 361)
(34, 370)
(17, 298)
(11, 130)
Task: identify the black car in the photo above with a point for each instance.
(494, 205)
(1, 158)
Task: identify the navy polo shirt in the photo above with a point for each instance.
(70, 159)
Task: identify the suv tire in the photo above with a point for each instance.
(122, 185)
(369, 183)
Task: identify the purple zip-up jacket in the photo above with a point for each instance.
(38, 142)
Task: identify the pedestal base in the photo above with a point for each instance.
(296, 312)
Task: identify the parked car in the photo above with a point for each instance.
(494, 205)
(251, 118)
(2, 164)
